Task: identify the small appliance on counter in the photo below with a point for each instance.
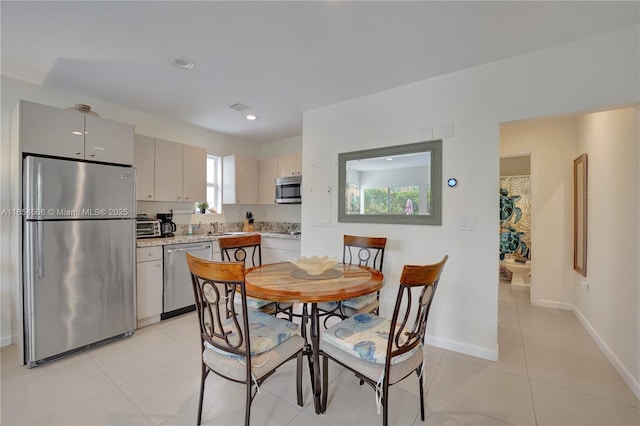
(147, 228)
(167, 226)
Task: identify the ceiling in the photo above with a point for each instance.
(279, 58)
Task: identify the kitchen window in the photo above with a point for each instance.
(214, 179)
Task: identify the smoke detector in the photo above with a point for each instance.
(182, 62)
(239, 107)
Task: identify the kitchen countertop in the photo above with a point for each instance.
(183, 239)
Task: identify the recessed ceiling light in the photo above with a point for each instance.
(182, 62)
(251, 117)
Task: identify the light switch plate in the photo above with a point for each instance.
(467, 223)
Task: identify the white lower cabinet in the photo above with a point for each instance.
(279, 250)
(149, 284)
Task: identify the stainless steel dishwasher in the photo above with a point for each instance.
(178, 292)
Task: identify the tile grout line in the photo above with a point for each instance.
(526, 364)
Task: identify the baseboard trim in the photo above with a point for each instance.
(554, 304)
(465, 348)
(5, 341)
(619, 366)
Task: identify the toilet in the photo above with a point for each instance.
(520, 271)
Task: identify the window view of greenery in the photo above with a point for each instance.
(395, 200)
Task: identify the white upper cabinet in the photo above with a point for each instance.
(290, 165)
(71, 134)
(194, 173)
(168, 171)
(267, 174)
(239, 180)
(107, 140)
(144, 158)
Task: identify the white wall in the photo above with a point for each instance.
(561, 79)
(610, 307)
(552, 144)
(13, 90)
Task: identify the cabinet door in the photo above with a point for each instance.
(286, 165)
(279, 250)
(149, 288)
(246, 180)
(298, 164)
(144, 162)
(267, 173)
(239, 180)
(168, 171)
(51, 131)
(108, 141)
(194, 173)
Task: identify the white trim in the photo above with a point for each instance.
(5, 341)
(633, 384)
(465, 348)
(553, 304)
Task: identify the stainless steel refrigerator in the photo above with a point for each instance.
(78, 256)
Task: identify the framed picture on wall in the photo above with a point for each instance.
(580, 195)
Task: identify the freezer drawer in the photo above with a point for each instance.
(177, 296)
(79, 284)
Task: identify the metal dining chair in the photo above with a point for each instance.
(248, 249)
(239, 344)
(383, 352)
(364, 251)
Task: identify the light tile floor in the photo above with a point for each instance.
(550, 372)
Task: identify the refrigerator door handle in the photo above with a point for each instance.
(40, 187)
(40, 249)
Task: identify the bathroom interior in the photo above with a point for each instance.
(515, 219)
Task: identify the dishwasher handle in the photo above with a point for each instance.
(188, 249)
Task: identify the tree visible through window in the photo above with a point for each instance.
(214, 191)
(394, 200)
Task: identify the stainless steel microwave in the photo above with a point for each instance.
(147, 228)
(289, 190)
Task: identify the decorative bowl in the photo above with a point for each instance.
(315, 265)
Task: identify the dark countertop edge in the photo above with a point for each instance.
(184, 239)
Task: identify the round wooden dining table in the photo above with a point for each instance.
(283, 282)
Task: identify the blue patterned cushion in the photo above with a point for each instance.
(360, 302)
(265, 331)
(256, 303)
(364, 336)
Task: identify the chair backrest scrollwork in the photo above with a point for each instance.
(409, 321)
(364, 251)
(221, 325)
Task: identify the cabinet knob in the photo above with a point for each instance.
(149, 196)
(178, 198)
(158, 265)
(186, 198)
(93, 155)
(77, 152)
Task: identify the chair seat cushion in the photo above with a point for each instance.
(360, 302)
(364, 336)
(257, 303)
(235, 368)
(265, 332)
